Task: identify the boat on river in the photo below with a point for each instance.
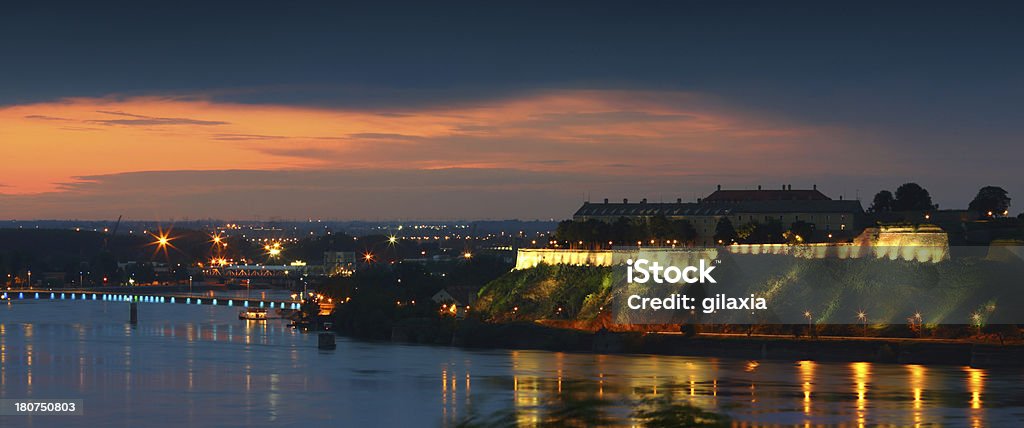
(253, 314)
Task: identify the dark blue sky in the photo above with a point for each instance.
(808, 49)
(920, 76)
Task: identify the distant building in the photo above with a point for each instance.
(842, 219)
(339, 262)
(455, 300)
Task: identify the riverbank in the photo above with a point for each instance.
(474, 334)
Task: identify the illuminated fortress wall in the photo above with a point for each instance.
(528, 258)
(921, 243)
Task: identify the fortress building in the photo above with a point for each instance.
(830, 219)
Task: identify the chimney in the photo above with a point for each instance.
(643, 201)
(719, 187)
(679, 200)
(790, 187)
(840, 197)
(758, 187)
(606, 200)
(698, 200)
(815, 187)
(625, 201)
(783, 187)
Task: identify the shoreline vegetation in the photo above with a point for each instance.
(564, 309)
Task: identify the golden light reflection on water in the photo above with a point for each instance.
(807, 378)
(975, 384)
(861, 376)
(917, 382)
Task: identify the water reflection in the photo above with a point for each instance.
(917, 377)
(199, 365)
(756, 393)
(806, 380)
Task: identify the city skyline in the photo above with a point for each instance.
(453, 112)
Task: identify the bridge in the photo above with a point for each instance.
(176, 298)
(261, 271)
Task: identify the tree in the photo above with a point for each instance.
(567, 230)
(684, 231)
(801, 231)
(770, 232)
(661, 228)
(990, 199)
(883, 202)
(622, 231)
(912, 197)
(724, 232)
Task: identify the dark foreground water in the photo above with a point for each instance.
(188, 365)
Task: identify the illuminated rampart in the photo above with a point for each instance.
(921, 243)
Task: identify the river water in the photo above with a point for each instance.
(190, 365)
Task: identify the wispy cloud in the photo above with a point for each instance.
(246, 137)
(142, 120)
(44, 117)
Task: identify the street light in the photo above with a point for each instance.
(863, 317)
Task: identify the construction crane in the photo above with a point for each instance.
(106, 239)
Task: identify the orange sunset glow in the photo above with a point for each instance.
(48, 145)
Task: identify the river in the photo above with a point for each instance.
(191, 365)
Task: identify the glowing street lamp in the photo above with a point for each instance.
(161, 241)
(863, 317)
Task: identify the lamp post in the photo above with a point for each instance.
(29, 280)
(863, 319)
(190, 285)
(810, 326)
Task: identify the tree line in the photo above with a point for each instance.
(991, 201)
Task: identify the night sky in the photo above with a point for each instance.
(484, 110)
